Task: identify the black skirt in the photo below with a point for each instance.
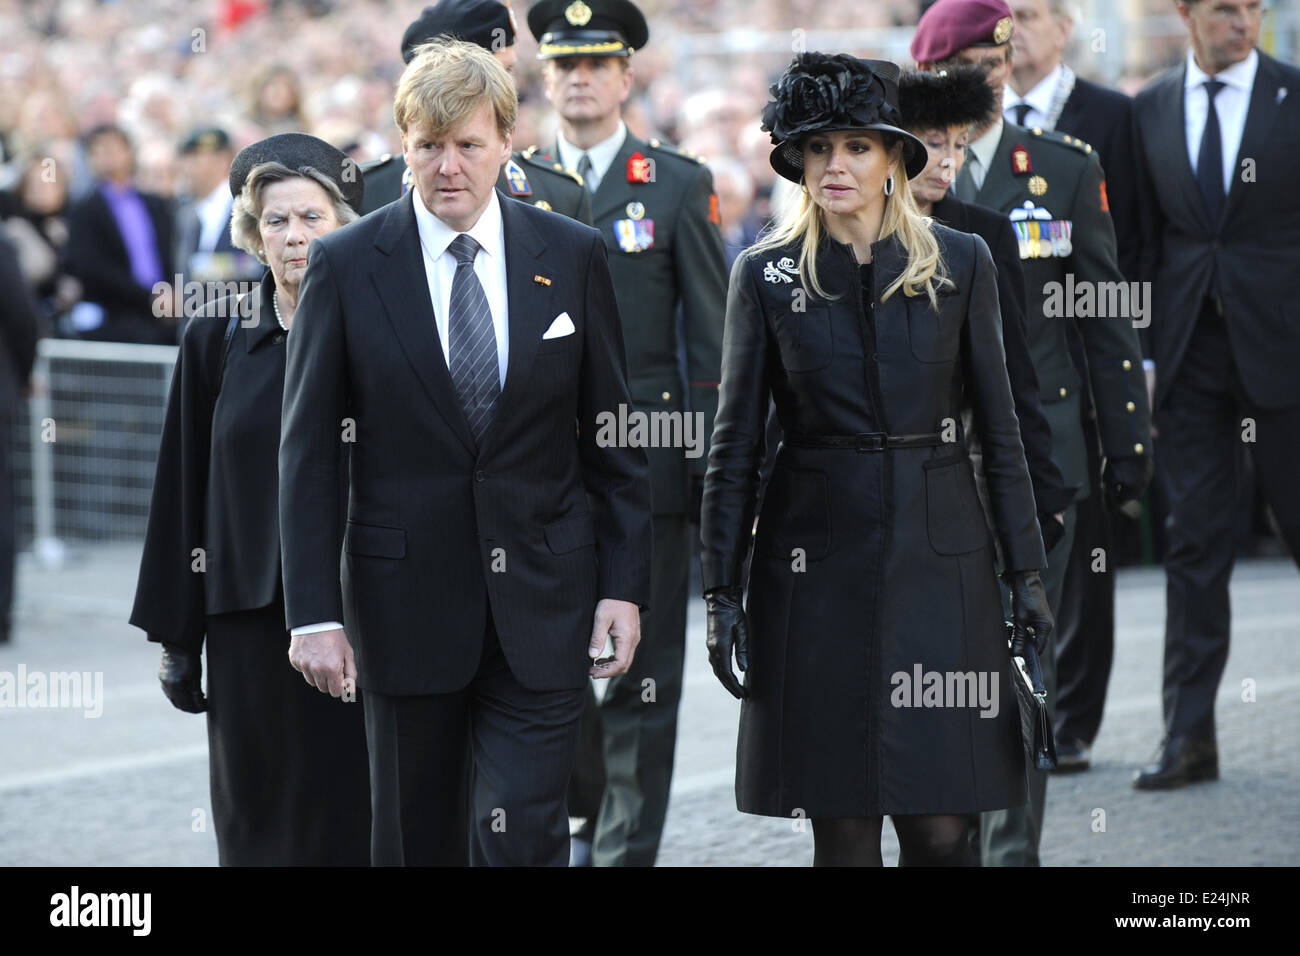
(289, 774)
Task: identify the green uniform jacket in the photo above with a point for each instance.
(1072, 275)
(534, 178)
(665, 252)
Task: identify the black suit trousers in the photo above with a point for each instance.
(1202, 424)
(477, 775)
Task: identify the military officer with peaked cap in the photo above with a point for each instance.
(658, 212)
(1051, 187)
(533, 175)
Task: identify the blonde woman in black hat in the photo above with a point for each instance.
(289, 775)
(875, 659)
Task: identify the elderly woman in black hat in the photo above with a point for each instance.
(877, 674)
(289, 775)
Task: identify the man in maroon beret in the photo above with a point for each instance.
(1051, 187)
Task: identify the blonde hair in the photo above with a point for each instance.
(800, 220)
(447, 81)
(246, 212)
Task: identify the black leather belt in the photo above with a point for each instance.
(867, 441)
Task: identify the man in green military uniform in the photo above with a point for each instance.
(532, 175)
(1051, 187)
(657, 210)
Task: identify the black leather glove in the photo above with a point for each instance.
(1124, 479)
(181, 674)
(728, 633)
(1029, 611)
(696, 499)
(1052, 528)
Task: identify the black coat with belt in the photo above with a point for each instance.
(1253, 245)
(868, 564)
(534, 526)
(213, 542)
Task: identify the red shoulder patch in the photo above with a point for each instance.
(715, 215)
(1105, 203)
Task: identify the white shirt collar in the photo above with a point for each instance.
(1040, 97)
(436, 235)
(987, 144)
(1240, 75)
(601, 154)
(219, 198)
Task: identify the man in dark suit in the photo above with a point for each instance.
(1220, 222)
(657, 212)
(471, 349)
(532, 175)
(120, 247)
(1051, 187)
(19, 328)
(1045, 92)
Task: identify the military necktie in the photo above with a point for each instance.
(584, 170)
(1022, 112)
(964, 188)
(472, 341)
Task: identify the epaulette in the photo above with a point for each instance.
(1055, 136)
(535, 157)
(663, 147)
(370, 164)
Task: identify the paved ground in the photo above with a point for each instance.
(130, 787)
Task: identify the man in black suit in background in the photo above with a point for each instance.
(1220, 219)
(471, 348)
(1045, 92)
(120, 247)
(19, 330)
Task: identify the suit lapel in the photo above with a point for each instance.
(1171, 129)
(1261, 111)
(526, 300)
(401, 282)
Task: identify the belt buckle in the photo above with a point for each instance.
(870, 441)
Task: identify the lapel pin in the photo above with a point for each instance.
(541, 280)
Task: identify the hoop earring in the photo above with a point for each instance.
(889, 185)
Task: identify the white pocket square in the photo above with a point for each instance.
(563, 325)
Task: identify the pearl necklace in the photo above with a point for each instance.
(275, 304)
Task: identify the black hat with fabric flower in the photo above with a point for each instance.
(821, 92)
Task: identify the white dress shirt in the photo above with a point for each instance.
(439, 271)
(1039, 99)
(982, 150)
(214, 213)
(1230, 104)
(601, 155)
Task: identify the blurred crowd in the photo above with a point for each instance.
(94, 90)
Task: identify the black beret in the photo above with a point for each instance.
(207, 139)
(952, 97)
(296, 150)
(587, 28)
(476, 21)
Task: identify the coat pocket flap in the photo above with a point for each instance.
(375, 541)
(570, 534)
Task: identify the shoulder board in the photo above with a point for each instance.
(670, 150)
(534, 156)
(379, 163)
(1065, 139)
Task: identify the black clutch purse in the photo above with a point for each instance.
(1035, 722)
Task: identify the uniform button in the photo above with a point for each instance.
(1127, 365)
(666, 396)
(1131, 407)
(479, 476)
(875, 356)
(1138, 449)
(1064, 391)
